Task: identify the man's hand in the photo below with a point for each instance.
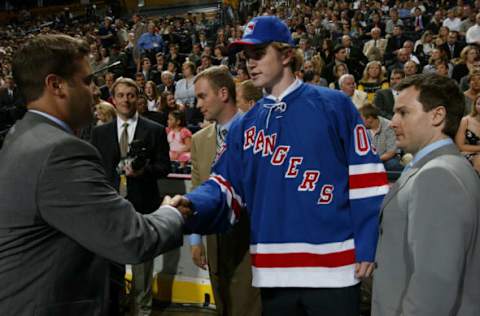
(364, 269)
(181, 203)
(129, 172)
(198, 256)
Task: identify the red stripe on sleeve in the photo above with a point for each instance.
(235, 204)
(366, 180)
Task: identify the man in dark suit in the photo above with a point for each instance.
(355, 55)
(340, 57)
(403, 55)
(61, 220)
(418, 21)
(148, 73)
(394, 44)
(428, 252)
(142, 109)
(135, 175)
(453, 47)
(436, 22)
(385, 98)
(8, 93)
(11, 103)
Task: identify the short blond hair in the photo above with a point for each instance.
(250, 92)
(219, 77)
(126, 81)
(297, 56)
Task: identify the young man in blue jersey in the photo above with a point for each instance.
(301, 162)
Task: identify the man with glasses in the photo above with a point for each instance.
(301, 162)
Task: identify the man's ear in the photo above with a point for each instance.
(288, 55)
(223, 94)
(55, 85)
(439, 115)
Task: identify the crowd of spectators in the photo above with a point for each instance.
(372, 42)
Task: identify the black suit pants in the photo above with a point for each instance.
(311, 301)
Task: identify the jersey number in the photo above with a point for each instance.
(362, 144)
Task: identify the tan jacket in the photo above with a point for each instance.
(230, 274)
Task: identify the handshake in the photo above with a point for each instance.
(181, 203)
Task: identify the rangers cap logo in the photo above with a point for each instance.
(249, 28)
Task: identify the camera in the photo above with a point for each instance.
(137, 156)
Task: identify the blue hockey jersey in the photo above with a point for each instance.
(304, 167)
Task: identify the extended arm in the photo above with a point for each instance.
(75, 198)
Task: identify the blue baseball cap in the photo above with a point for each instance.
(263, 30)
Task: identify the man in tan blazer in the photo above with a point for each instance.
(228, 253)
(375, 47)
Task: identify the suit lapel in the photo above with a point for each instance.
(391, 99)
(115, 145)
(445, 150)
(140, 130)
(398, 185)
(211, 144)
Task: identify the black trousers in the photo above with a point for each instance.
(311, 301)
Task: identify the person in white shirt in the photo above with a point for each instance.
(452, 21)
(408, 45)
(184, 88)
(473, 33)
(348, 86)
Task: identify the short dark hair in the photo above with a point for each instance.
(435, 90)
(44, 55)
(369, 110)
(398, 71)
(308, 76)
(338, 48)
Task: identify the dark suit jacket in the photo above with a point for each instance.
(384, 101)
(394, 43)
(157, 117)
(457, 49)
(60, 220)
(12, 107)
(143, 190)
(433, 26)
(153, 75)
(412, 23)
(328, 72)
(6, 100)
